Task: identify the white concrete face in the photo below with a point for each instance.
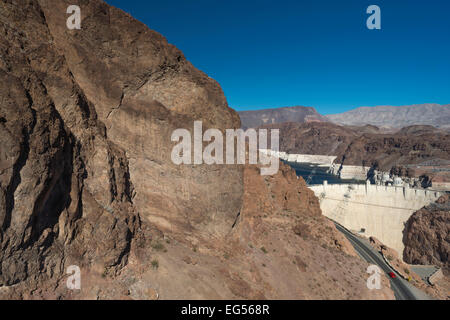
(292, 158)
(444, 186)
(302, 158)
(381, 210)
(354, 172)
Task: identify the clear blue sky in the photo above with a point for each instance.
(318, 53)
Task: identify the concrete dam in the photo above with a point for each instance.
(373, 210)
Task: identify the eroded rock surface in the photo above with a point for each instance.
(427, 235)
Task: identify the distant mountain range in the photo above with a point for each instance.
(381, 116)
(396, 117)
(257, 118)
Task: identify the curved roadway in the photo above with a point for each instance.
(402, 289)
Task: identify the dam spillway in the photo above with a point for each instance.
(373, 210)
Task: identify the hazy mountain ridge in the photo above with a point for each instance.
(389, 116)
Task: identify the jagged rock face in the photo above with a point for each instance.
(427, 235)
(86, 118)
(143, 89)
(64, 187)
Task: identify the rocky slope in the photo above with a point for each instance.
(280, 247)
(256, 118)
(402, 116)
(86, 177)
(427, 235)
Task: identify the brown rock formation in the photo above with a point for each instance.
(427, 235)
(65, 190)
(150, 90)
(86, 140)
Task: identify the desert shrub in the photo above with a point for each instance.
(158, 246)
(155, 264)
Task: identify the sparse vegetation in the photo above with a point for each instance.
(158, 246)
(155, 264)
(263, 249)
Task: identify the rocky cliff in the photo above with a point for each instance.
(427, 235)
(86, 139)
(86, 177)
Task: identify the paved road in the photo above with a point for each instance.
(424, 271)
(402, 289)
